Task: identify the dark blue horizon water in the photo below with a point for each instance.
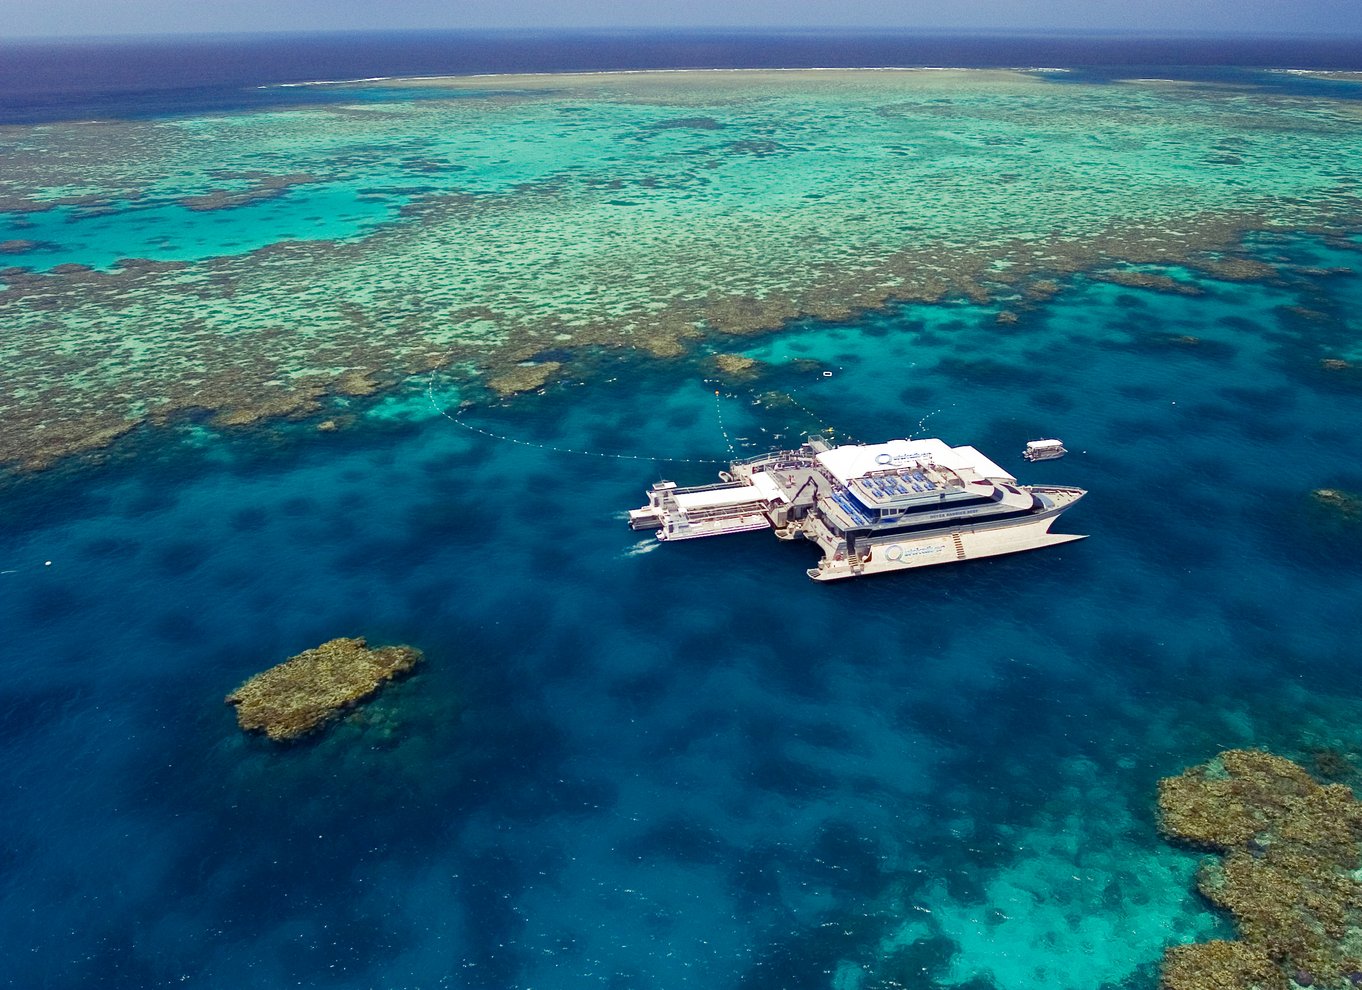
(59, 79)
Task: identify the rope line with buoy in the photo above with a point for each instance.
(719, 413)
(922, 423)
(554, 448)
(457, 419)
(20, 570)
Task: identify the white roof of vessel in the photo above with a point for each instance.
(767, 486)
(855, 460)
(1043, 444)
(761, 487)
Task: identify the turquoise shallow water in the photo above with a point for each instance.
(635, 765)
(248, 263)
(169, 231)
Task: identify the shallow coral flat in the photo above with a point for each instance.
(249, 264)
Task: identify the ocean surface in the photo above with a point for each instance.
(628, 764)
(51, 79)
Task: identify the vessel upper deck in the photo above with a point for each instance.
(852, 461)
(759, 487)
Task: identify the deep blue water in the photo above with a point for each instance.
(632, 765)
(139, 78)
(636, 765)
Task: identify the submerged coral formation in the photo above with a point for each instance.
(305, 692)
(1345, 505)
(1148, 280)
(737, 366)
(523, 378)
(1084, 900)
(1288, 876)
(262, 185)
(1220, 965)
(1331, 763)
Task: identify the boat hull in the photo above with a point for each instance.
(951, 545)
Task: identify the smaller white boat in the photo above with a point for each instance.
(1044, 450)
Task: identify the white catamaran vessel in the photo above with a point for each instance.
(871, 508)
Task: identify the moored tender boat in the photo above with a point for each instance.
(1043, 450)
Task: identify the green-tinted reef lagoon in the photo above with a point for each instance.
(259, 264)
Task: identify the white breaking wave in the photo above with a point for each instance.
(649, 72)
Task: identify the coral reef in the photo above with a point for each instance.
(1083, 901)
(523, 378)
(1331, 763)
(262, 186)
(356, 383)
(293, 403)
(662, 345)
(353, 257)
(1148, 280)
(1220, 965)
(307, 691)
(1345, 505)
(1306, 313)
(1290, 851)
(776, 400)
(737, 367)
(1236, 269)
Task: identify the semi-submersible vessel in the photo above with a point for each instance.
(871, 508)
